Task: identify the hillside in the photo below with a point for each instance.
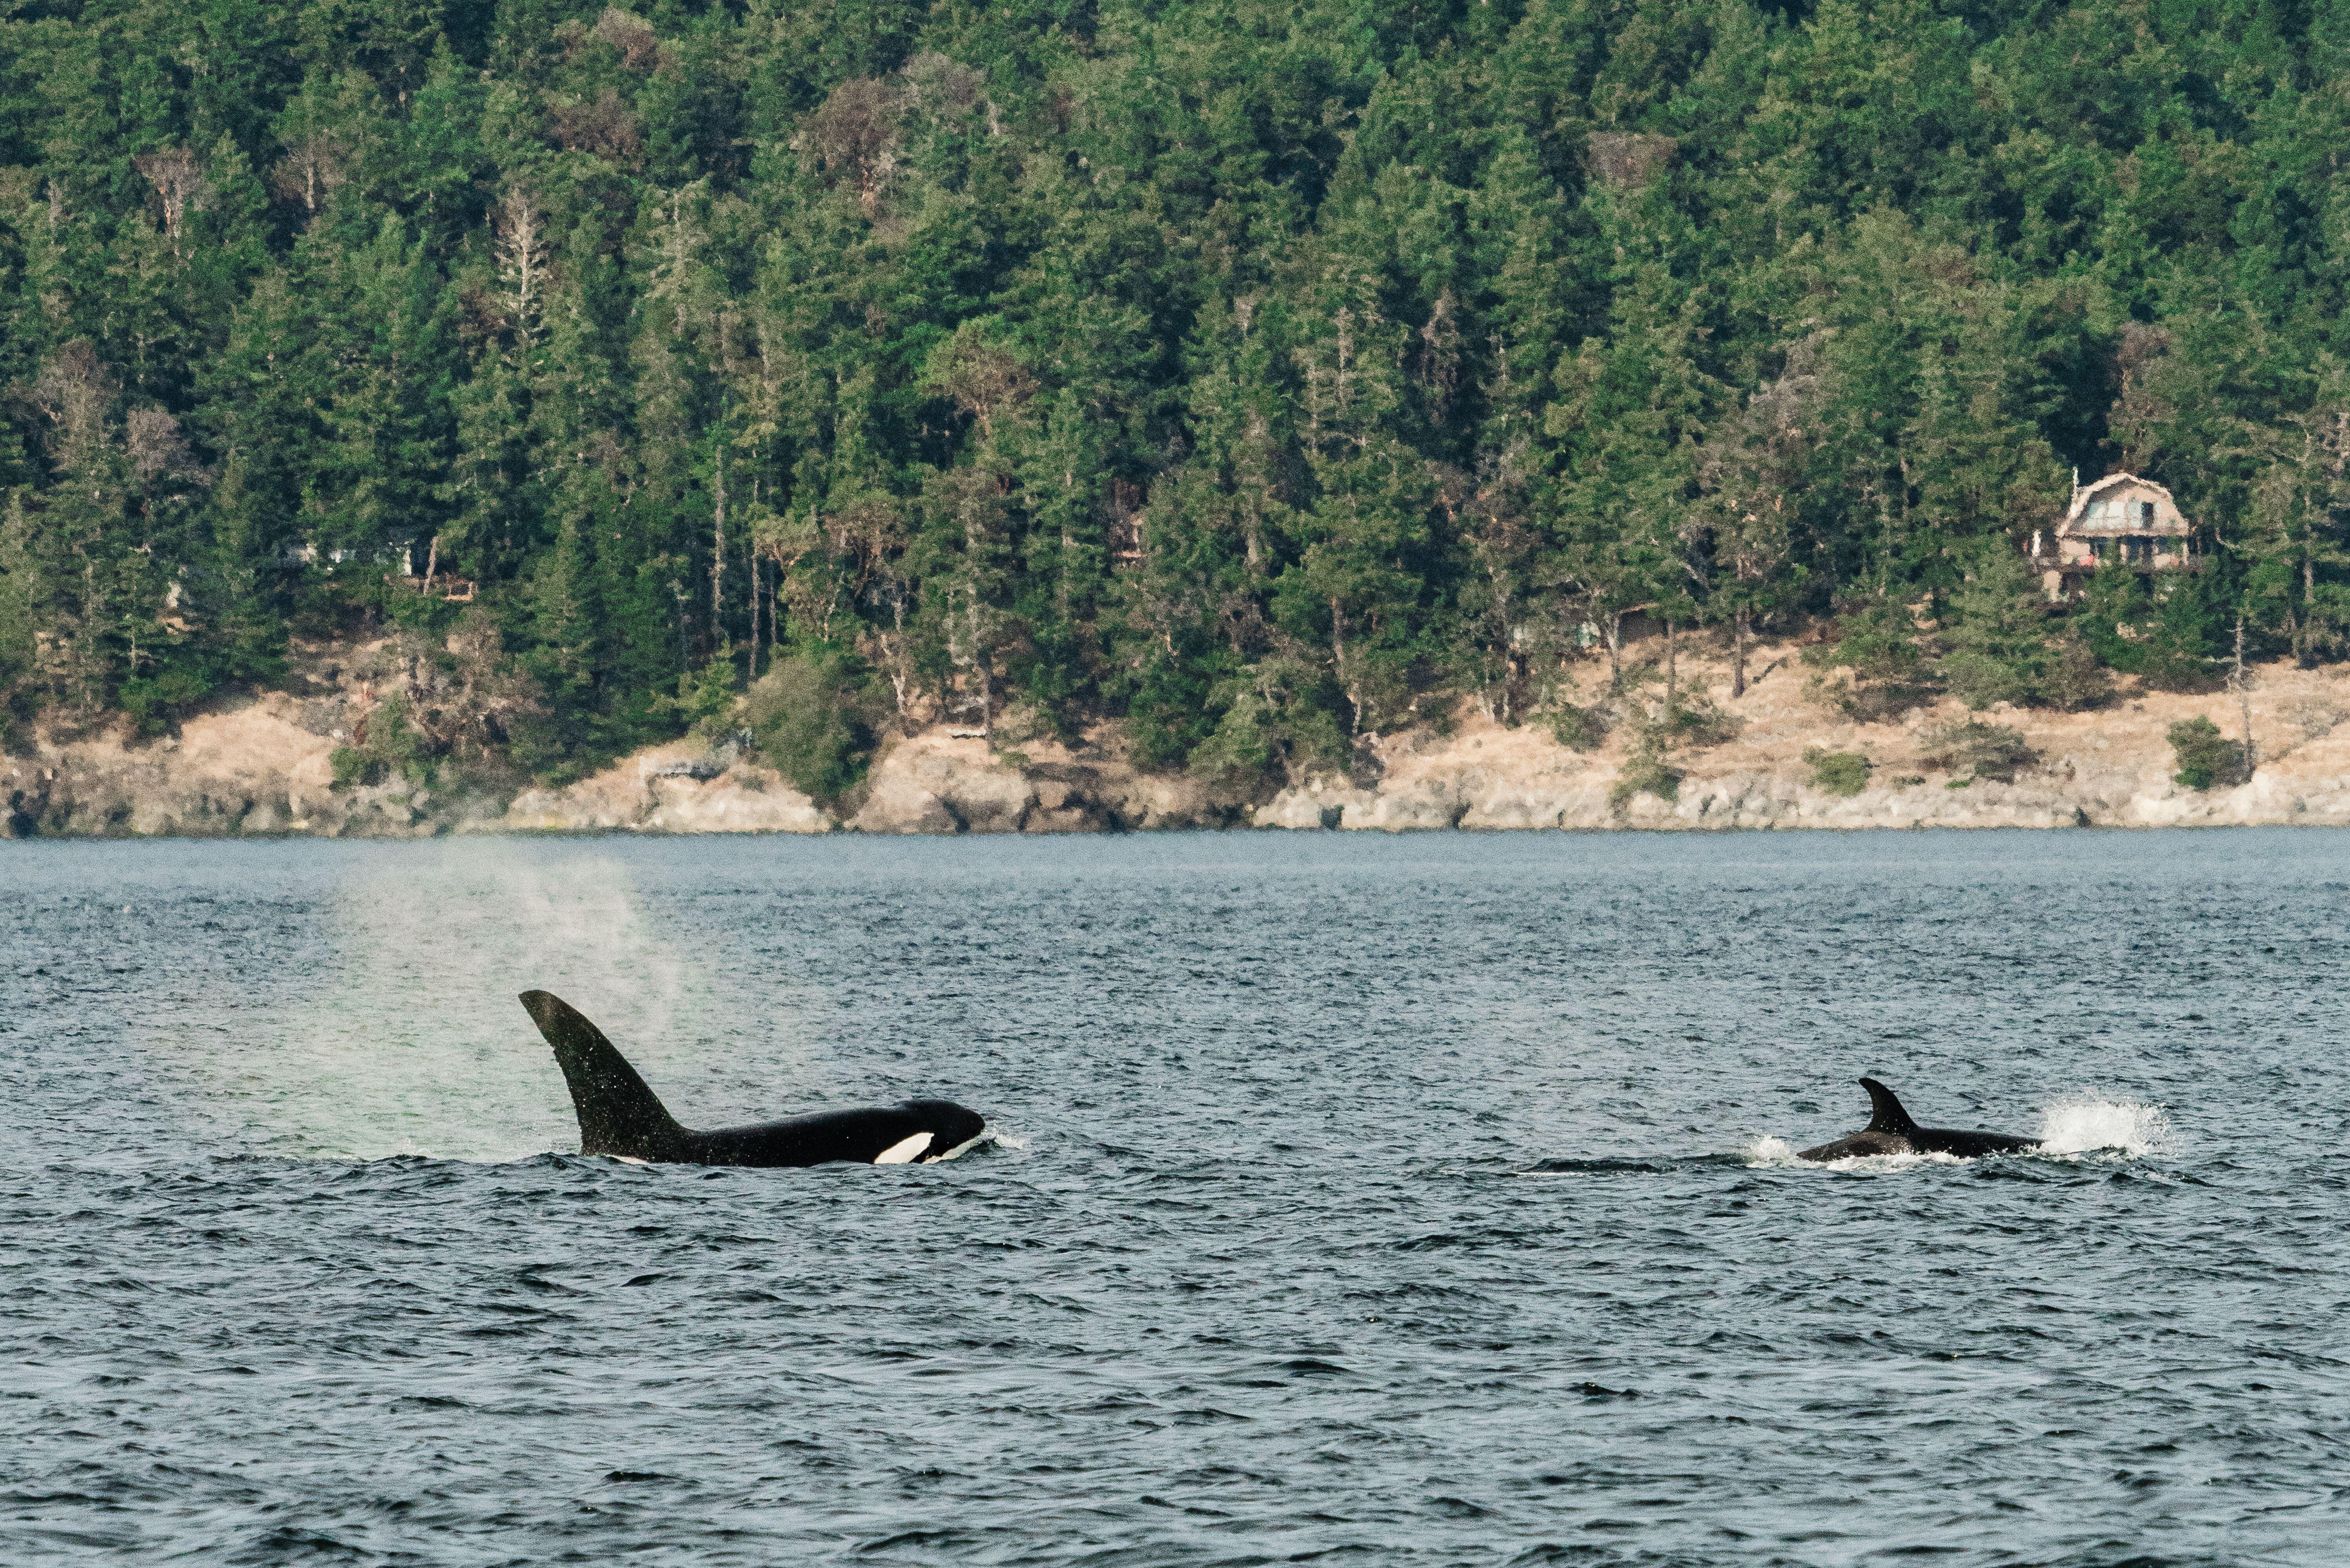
(267, 766)
(1265, 381)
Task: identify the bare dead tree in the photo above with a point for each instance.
(311, 169)
(157, 447)
(179, 179)
(1626, 159)
(630, 33)
(2244, 696)
(519, 227)
(854, 135)
(73, 393)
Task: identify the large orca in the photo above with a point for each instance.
(1890, 1131)
(619, 1115)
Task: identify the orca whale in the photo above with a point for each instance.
(619, 1116)
(1890, 1131)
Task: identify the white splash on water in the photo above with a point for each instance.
(2070, 1128)
(2085, 1126)
(1777, 1153)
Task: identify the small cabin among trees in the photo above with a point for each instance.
(2121, 523)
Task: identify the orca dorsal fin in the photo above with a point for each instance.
(617, 1114)
(1888, 1116)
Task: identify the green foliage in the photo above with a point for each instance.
(1262, 380)
(1995, 751)
(1578, 729)
(1837, 772)
(385, 746)
(1272, 729)
(2181, 650)
(1876, 641)
(2074, 681)
(1692, 721)
(2205, 757)
(1995, 640)
(1646, 771)
(153, 701)
(706, 697)
(2171, 640)
(806, 718)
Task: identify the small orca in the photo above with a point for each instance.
(1890, 1131)
(619, 1115)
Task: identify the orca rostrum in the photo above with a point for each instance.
(1890, 1131)
(619, 1116)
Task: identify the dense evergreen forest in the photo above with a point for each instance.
(1261, 375)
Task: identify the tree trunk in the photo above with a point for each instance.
(753, 568)
(1672, 672)
(432, 564)
(1615, 652)
(2244, 700)
(986, 678)
(1738, 657)
(1338, 663)
(2306, 655)
(718, 556)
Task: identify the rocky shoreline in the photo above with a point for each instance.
(263, 768)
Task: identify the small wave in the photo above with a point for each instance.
(2088, 1126)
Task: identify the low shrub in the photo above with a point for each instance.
(805, 718)
(1837, 772)
(383, 745)
(1694, 722)
(2075, 681)
(1578, 729)
(2317, 716)
(1646, 772)
(354, 765)
(1982, 750)
(2206, 758)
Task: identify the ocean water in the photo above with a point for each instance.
(1420, 1200)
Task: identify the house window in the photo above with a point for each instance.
(2145, 512)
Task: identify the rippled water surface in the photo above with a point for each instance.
(1417, 1201)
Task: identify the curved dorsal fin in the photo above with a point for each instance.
(1887, 1115)
(617, 1115)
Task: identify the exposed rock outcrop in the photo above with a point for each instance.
(654, 791)
(254, 769)
(2109, 767)
(943, 783)
(265, 766)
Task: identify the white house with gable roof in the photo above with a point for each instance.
(2121, 523)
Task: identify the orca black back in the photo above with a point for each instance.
(621, 1115)
(1891, 1130)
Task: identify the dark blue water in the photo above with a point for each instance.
(1417, 1201)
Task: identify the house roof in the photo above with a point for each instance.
(2087, 495)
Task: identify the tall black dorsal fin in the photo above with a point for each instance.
(617, 1115)
(1888, 1118)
